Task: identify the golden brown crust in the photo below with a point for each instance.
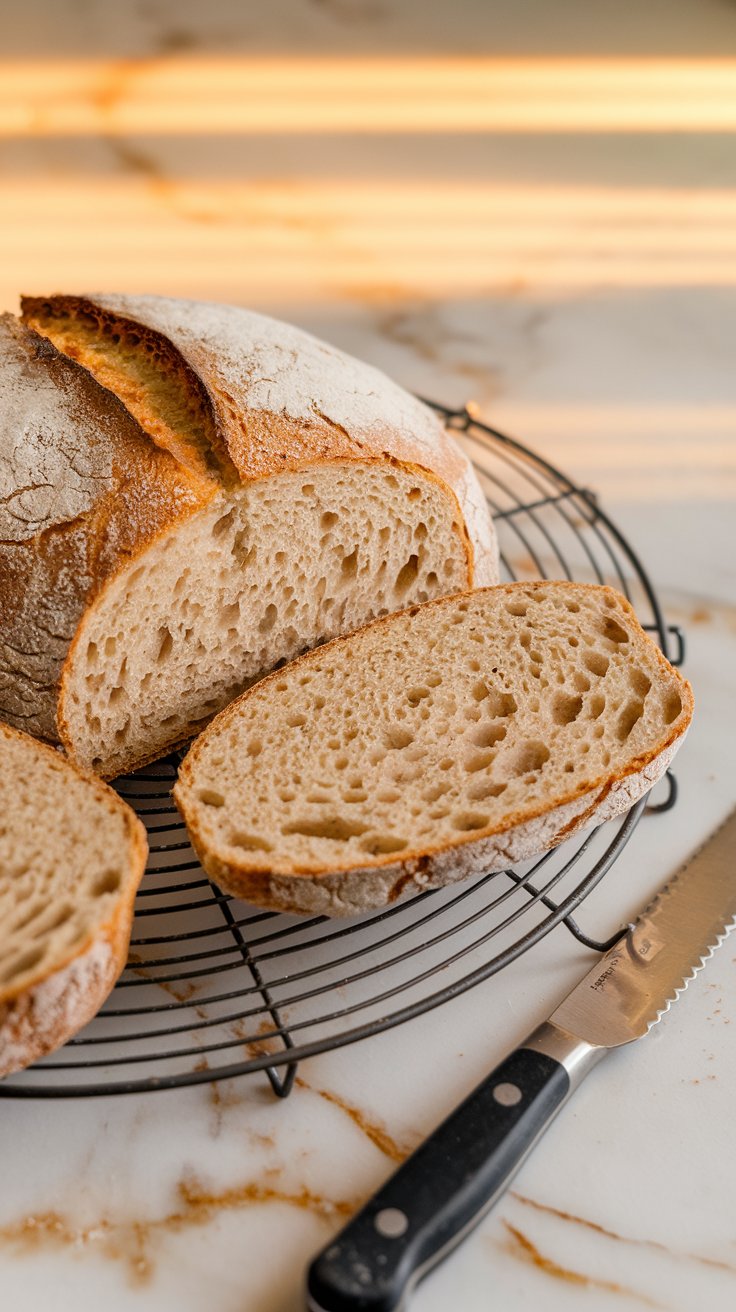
(86, 492)
(282, 400)
(276, 888)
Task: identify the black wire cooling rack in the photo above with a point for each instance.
(214, 988)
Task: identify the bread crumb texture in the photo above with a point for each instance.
(252, 581)
(71, 857)
(524, 710)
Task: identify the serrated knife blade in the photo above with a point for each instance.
(446, 1186)
(639, 978)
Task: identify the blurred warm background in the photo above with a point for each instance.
(529, 204)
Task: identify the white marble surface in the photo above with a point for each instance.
(580, 286)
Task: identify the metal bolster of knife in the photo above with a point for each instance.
(576, 1055)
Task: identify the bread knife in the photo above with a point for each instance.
(448, 1184)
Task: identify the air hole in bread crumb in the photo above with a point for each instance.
(595, 662)
(63, 914)
(307, 489)
(596, 705)
(566, 708)
(383, 844)
(417, 694)
(672, 706)
(406, 576)
(397, 738)
(519, 608)
(446, 763)
(165, 643)
(476, 761)
(250, 842)
(414, 494)
(433, 680)
(388, 795)
(500, 705)
(229, 614)
(355, 795)
(255, 747)
(640, 682)
(465, 821)
(614, 631)
(108, 882)
(525, 758)
(573, 607)
(630, 715)
(489, 734)
(479, 792)
(223, 524)
(295, 720)
(269, 619)
(432, 580)
(436, 790)
(92, 653)
(334, 828)
(581, 682)
(110, 645)
(349, 567)
(23, 963)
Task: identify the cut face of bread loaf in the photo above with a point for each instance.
(71, 858)
(311, 494)
(457, 737)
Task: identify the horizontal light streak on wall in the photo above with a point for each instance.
(640, 450)
(300, 237)
(246, 94)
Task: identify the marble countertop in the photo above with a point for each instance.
(574, 275)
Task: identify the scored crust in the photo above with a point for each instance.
(272, 398)
(41, 1011)
(383, 879)
(281, 399)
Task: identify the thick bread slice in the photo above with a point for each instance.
(456, 737)
(325, 495)
(71, 858)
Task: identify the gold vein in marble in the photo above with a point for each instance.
(132, 1242)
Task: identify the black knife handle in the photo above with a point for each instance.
(441, 1191)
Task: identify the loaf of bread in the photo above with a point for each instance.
(71, 858)
(455, 738)
(191, 495)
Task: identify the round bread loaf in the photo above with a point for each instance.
(191, 495)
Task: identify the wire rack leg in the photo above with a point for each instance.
(282, 1082)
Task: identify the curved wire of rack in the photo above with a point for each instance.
(214, 988)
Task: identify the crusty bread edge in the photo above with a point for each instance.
(384, 880)
(47, 1010)
(370, 888)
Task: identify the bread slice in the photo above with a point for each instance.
(71, 858)
(456, 737)
(191, 494)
